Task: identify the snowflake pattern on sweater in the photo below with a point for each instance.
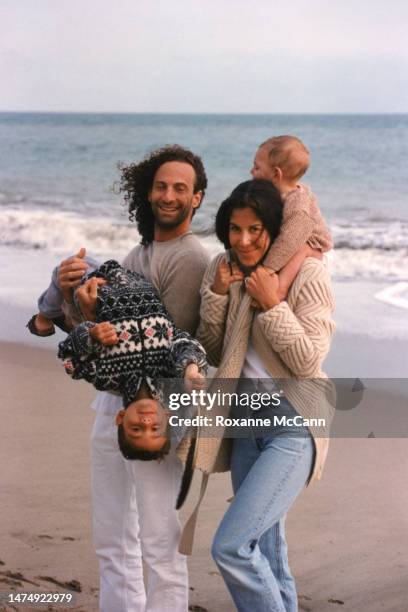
(150, 346)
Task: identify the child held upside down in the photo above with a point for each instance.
(126, 343)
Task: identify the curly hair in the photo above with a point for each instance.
(137, 180)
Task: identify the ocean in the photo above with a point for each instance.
(57, 193)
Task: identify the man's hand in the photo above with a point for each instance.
(193, 379)
(263, 287)
(87, 295)
(70, 273)
(105, 333)
(226, 274)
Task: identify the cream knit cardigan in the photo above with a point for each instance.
(292, 340)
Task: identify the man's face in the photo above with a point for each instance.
(172, 195)
(144, 424)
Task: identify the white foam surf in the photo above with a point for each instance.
(395, 295)
(378, 252)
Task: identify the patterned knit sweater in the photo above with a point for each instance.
(302, 223)
(292, 340)
(150, 346)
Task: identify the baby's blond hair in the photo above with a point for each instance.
(289, 154)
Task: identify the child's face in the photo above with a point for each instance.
(144, 424)
(262, 168)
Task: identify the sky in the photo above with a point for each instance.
(227, 56)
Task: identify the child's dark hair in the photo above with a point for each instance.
(131, 453)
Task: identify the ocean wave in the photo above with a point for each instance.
(63, 233)
(378, 234)
(396, 295)
(369, 264)
(77, 204)
(367, 251)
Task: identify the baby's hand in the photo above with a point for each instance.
(193, 379)
(105, 333)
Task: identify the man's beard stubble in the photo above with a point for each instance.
(182, 215)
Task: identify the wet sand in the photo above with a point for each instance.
(348, 534)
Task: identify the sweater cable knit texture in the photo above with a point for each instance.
(292, 339)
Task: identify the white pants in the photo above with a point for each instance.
(134, 518)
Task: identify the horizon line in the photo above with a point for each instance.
(194, 113)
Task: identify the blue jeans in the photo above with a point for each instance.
(249, 547)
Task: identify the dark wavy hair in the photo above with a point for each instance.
(137, 180)
(131, 452)
(258, 194)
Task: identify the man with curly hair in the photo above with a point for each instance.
(134, 501)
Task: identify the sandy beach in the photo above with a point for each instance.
(348, 534)
(90, 92)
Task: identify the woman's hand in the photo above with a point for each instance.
(87, 296)
(105, 333)
(263, 287)
(226, 274)
(70, 273)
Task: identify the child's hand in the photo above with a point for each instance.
(105, 333)
(87, 295)
(226, 274)
(314, 253)
(193, 379)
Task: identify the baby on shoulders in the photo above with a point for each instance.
(283, 160)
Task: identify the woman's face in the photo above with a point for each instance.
(248, 237)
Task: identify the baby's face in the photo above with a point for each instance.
(262, 168)
(144, 424)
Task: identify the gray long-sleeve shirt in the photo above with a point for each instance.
(175, 268)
